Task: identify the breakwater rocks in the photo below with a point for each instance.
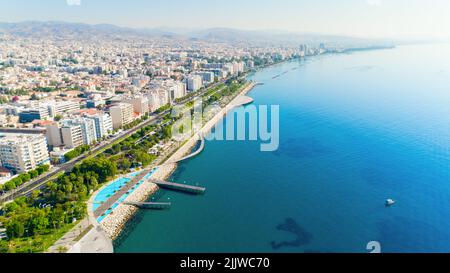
(116, 220)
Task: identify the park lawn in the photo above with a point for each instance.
(39, 243)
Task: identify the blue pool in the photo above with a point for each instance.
(112, 188)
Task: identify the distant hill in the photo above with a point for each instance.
(63, 30)
(274, 37)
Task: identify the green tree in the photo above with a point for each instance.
(10, 185)
(39, 221)
(33, 174)
(15, 229)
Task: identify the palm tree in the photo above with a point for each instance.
(61, 249)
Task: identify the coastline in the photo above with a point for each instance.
(114, 223)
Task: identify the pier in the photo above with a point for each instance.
(179, 187)
(149, 205)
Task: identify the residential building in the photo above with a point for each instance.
(207, 76)
(140, 104)
(194, 82)
(103, 124)
(72, 135)
(33, 114)
(88, 129)
(22, 153)
(53, 134)
(60, 107)
(121, 114)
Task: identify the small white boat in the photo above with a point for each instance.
(389, 202)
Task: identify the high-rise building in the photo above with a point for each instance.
(88, 129)
(103, 124)
(153, 101)
(140, 104)
(176, 90)
(238, 67)
(23, 153)
(194, 82)
(72, 135)
(53, 134)
(121, 114)
(207, 76)
(229, 68)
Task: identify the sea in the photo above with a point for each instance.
(355, 129)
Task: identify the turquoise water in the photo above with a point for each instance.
(355, 129)
(112, 188)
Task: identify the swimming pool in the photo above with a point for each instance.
(115, 186)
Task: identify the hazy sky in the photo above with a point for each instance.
(366, 18)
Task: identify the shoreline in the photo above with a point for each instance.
(114, 223)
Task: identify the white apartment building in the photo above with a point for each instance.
(194, 82)
(238, 67)
(60, 107)
(23, 153)
(103, 124)
(207, 76)
(176, 90)
(140, 104)
(72, 135)
(154, 101)
(88, 129)
(121, 114)
(53, 134)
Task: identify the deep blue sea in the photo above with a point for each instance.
(355, 129)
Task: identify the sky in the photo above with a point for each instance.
(361, 18)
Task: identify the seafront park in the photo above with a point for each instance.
(113, 205)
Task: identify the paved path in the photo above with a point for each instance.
(95, 241)
(127, 187)
(198, 151)
(68, 240)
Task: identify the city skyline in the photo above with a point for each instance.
(397, 19)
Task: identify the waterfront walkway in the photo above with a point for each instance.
(94, 241)
(126, 188)
(198, 151)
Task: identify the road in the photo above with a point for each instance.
(39, 183)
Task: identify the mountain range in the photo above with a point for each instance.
(64, 30)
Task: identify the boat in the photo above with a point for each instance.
(389, 202)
